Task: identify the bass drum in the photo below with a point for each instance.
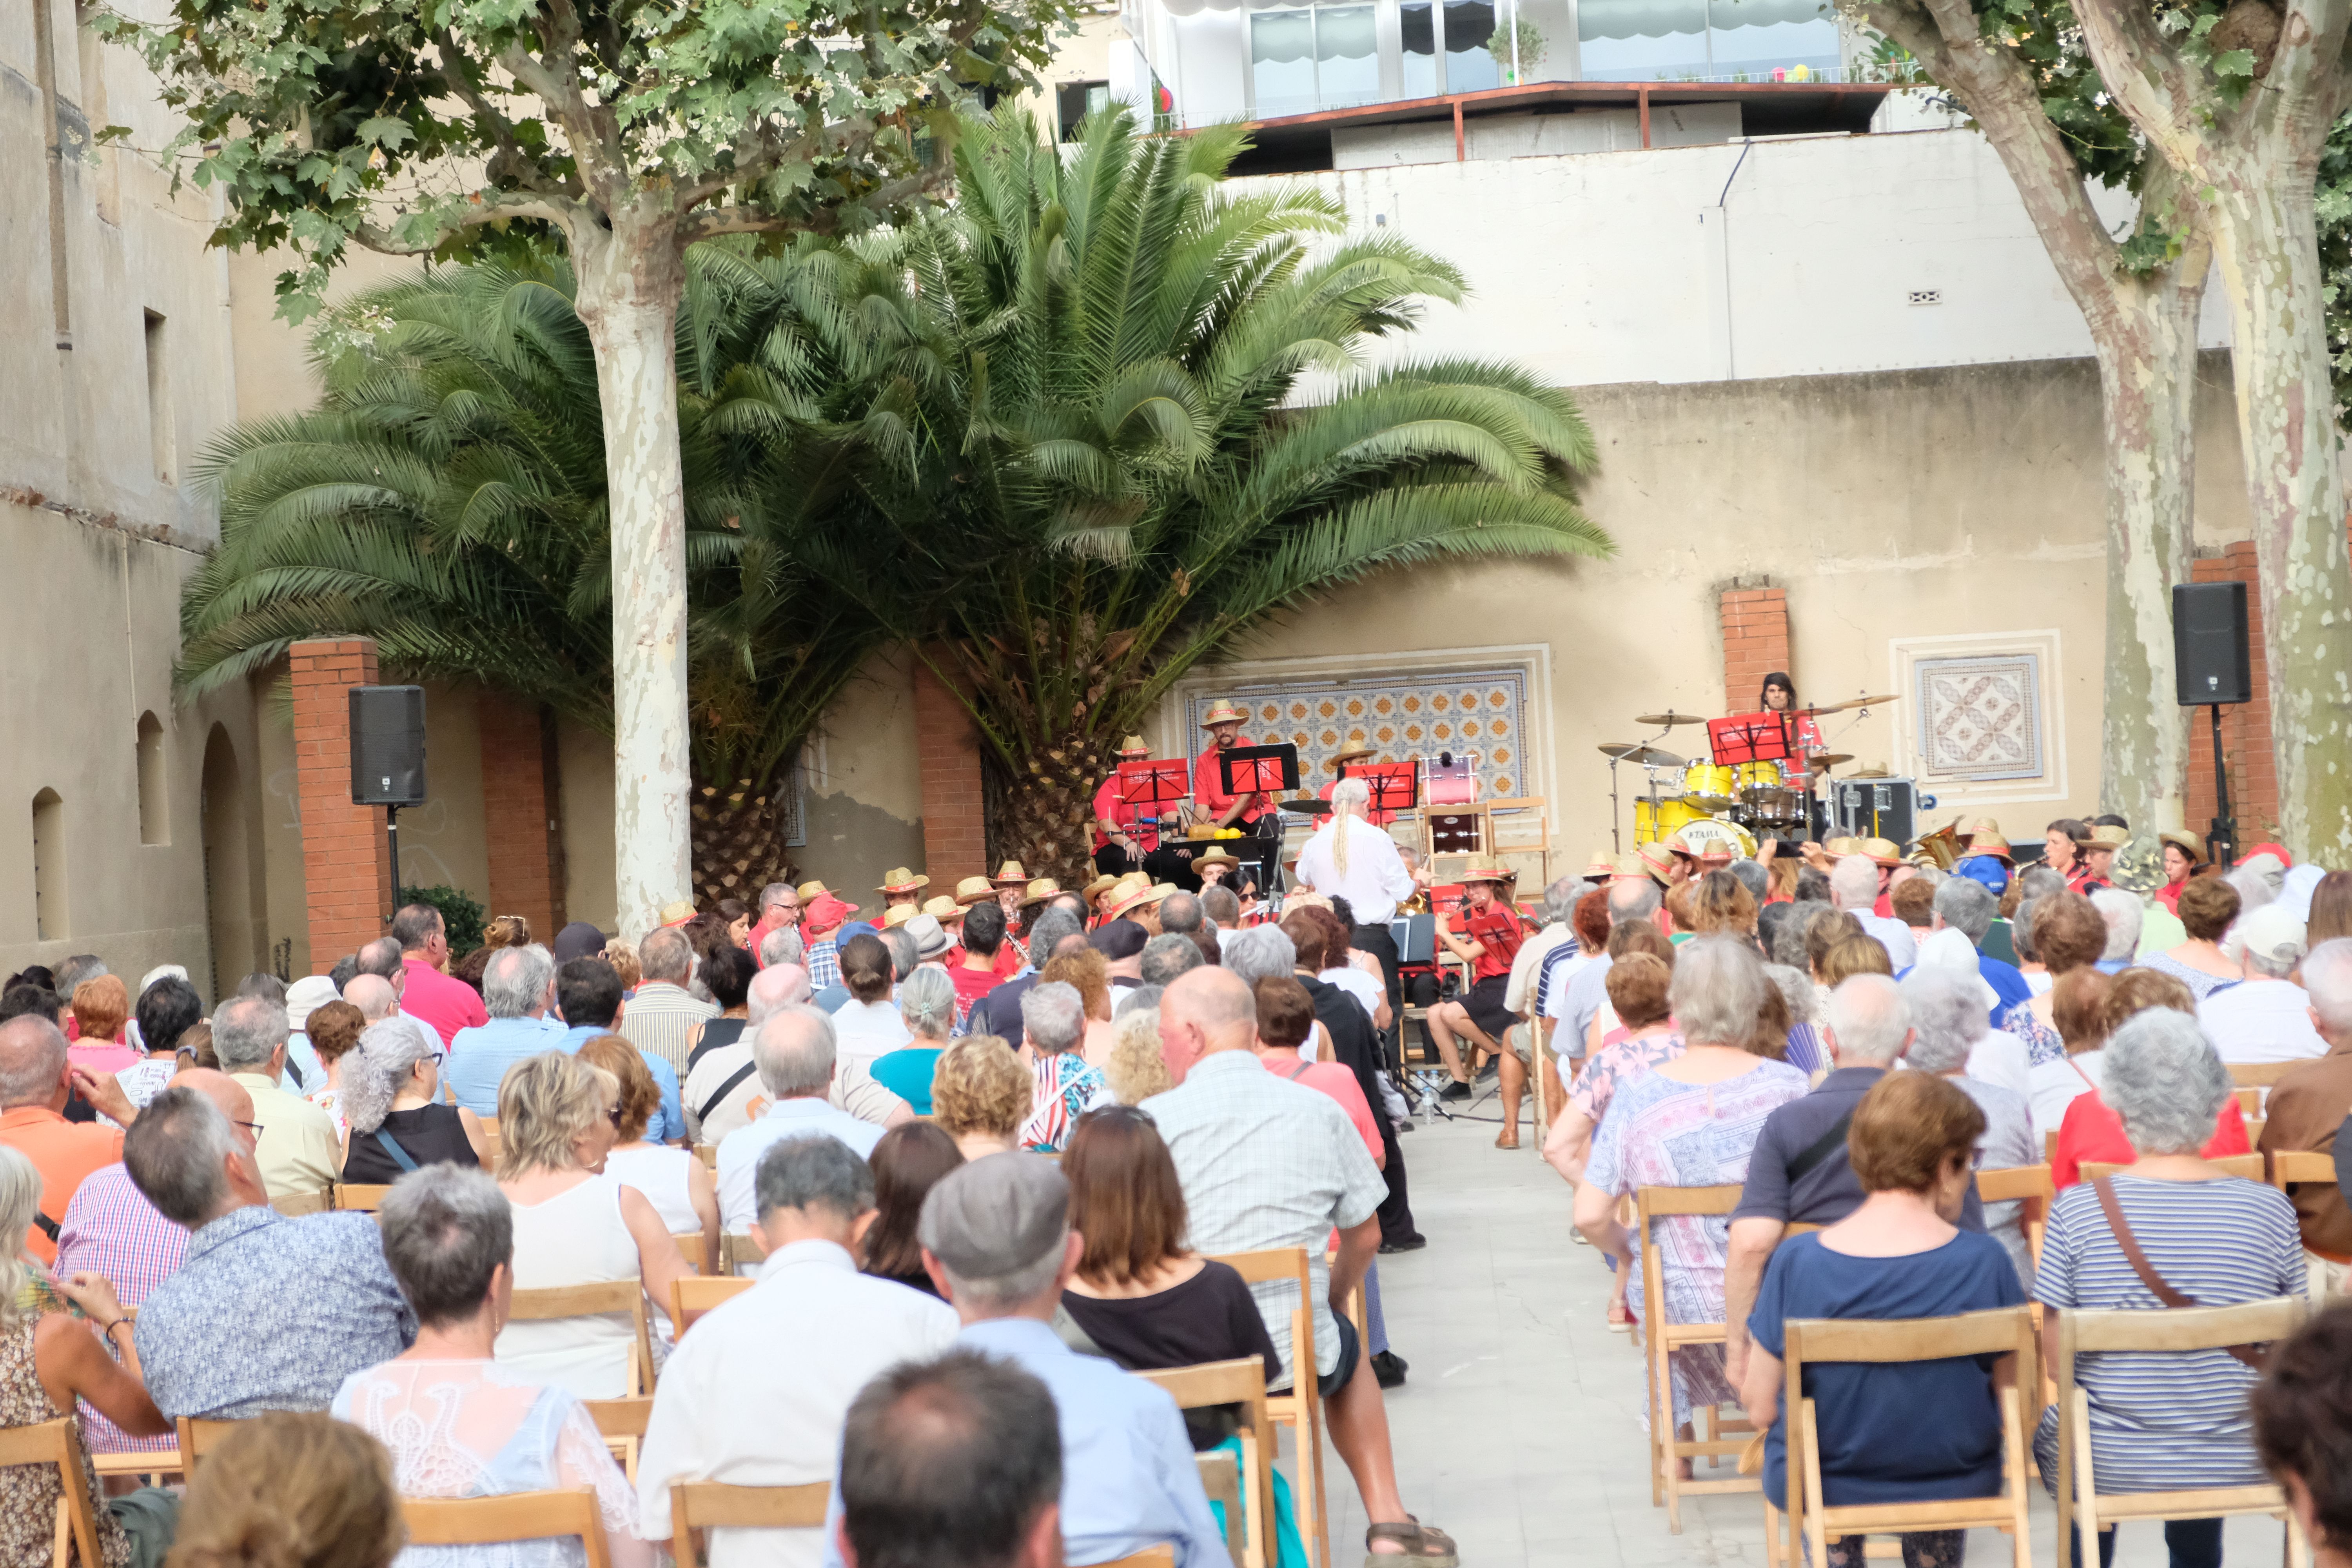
(1707, 831)
(1654, 826)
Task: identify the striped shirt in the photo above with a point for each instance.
(1559, 966)
(111, 1229)
(2165, 1420)
(658, 1020)
(824, 962)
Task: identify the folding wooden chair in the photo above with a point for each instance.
(1149, 1557)
(622, 1424)
(2004, 1330)
(595, 1300)
(517, 1516)
(704, 1505)
(695, 1246)
(198, 1438)
(737, 1247)
(363, 1197)
(2029, 1185)
(2083, 1332)
(1661, 1338)
(57, 1442)
(2254, 1125)
(1300, 1408)
(294, 1205)
(492, 1144)
(708, 1155)
(690, 1297)
(2247, 1165)
(2289, 1166)
(2253, 1081)
(1249, 1537)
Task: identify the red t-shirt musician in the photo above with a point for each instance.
(1224, 726)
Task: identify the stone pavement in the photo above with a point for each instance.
(1518, 1430)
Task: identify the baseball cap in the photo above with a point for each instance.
(2271, 933)
(995, 1216)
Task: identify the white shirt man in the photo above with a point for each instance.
(1854, 888)
(794, 1053)
(2265, 1018)
(1375, 881)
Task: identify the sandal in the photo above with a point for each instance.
(1507, 1139)
(1423, 1547)
(1618, 1325)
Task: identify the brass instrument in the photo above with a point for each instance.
(1945, 844)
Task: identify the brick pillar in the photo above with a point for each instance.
(2246, 751)
(346, 864)
(955, 841)
(1755, 642)
(521, 819)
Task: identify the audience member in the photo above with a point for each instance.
(867, 1024)
(2302, 1427)
(100, 1008)
(1137, 1070)
(112, 1231)
(445, 1003)
(2090, 1130)
(1268, 1164)
(2078, 1009)
(167, 1010)
(1633, 904)
(661, 1013)
(381, 960)
(2266, 1017)
(726, 975)
(519, 989)
(2207, 908)
(298, 1150)
(1088, 972)
(575, 1225)
(2305, 1111)
(794, 1052)
(981, 1094)
(1854, 888)
(678, 1184)
(2066, 934)
(588, 994)
(291, 1491)
(1894, 1431)
(907, 1163)
(398, 1120)
(1946, 1014)
(461, 1421)
(722, 1091)
(2162, 1421)
(2120, 913)
(927, 1002)
(36, 1080)
(950, 1464)
(1054, 1027)
(319, 1283)
(1640, 984)
(334, 1029)
(729, 1407)
(305, 1073)
(1970, 908)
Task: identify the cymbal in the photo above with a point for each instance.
(1821, 762)
(1853, 702)
(1667, 720)
(1305, 806)
(1710, 802)
(1641, 755)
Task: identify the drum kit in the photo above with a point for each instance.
(1738, 802)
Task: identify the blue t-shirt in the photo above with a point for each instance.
(1895, 1432)
(907, 1073)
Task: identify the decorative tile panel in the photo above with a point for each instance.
(1407, 716)
(1979, 717)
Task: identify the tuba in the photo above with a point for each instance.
(1943, 845)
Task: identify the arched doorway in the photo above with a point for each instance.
(232, 930)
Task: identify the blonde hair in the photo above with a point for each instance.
(1349, 797)
(20, 1199)
(980, 1086)
(633, 1081)
(1137, 1070)
(545, 1103)
(623, 960)
(292, 1490)
(507, 930)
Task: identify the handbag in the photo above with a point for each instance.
(2256, 1356)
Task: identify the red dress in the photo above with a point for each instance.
(2092, 1133)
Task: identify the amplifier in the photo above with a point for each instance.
(1877, 808)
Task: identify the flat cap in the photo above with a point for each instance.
(996, 1216)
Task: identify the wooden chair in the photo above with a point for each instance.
(704, 1505)
(594, 1300)
(294, 1205)
(622, 1424)
(1661, 1338)
(2029, 1185)
(737, 1247)
(57, 1442)
(363, 1197)
(2050, 1148)
(1540, 1030)
(1149, 1557)
(1998, 1333)
(708, 1155)
(2247, 1165)
(2289, 1166)
(198, 1438)
(1249, 1537)
(491, 1142)
(517, 1516)
(1300, 1408)
(690, 1297)
(2258, 1078)
(2082, 1333)
(695, 1246)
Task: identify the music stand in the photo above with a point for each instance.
(1395, 786)
(1258, 770)
(1758, 737)
(1152, 783)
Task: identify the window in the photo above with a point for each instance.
(1074, 100)
(1327, 58)
(1468, 67)
(1642, 40)
(154, 787)
(160, 432)
(1417, 21)
(48, 866)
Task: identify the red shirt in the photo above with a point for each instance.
(1499, 930)
(445, 1002)
(64, 1152)
(971, 984)
(1377, 818)
(2092, 1133)
(1109, 805)
(1208, 785)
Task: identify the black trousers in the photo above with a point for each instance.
(1113, 861)
(1172, 862)
(1396, 1209)
(1378, 941)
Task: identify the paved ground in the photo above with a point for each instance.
(1518, 1429)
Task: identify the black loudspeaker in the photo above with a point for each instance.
(387, 745)
(2208, 643)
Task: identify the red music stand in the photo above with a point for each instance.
(1748, 738)
(1259, 769)
(1395, 786)
(1152, 783)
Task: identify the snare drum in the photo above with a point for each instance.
(1773, 809)
(1758, 775)
(1667, 819)
(1709, 778)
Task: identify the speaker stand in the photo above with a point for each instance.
(392, 837)
(2221, 842)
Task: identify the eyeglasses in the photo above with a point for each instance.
(252, 1127)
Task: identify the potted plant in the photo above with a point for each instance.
(1530, 46)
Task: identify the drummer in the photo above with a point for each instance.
(1804, 736)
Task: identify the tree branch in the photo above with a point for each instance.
(2151, 82)
(712, 221)
(461, 83)
(485, 207)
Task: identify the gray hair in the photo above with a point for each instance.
(1144, 998)
(794, 1051)
(1257, 953)
(1854, 883)
(904, 953)
(516, 979)
(1053, 1016)
(927, 1002)
(1949, 1014)
(776, 986)
(447, 1228)
(666, 954)
(2164, 1081)
(73, 971)
(1052, 926)
(1180, 913)
(2327, 977)
(387, 1058)
(2040, 882)
(1789, 939)
(177, 1153)
(1633, 899)
(2020, 925)
(245, 1029)
(1868, 1016)
(372, 995)
(2121, 910)
(1221, 904)
(1796, 986)
(1967, 907)
(1716, 991)
(814, 1172)
(381, 957)
(1168, 955)
(772, 892)
(2254, 888)
(1559, 906)
(32, 1061)
(1753, 876)
(783, 945)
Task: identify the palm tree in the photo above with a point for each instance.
(1122, 413)
(446, 497)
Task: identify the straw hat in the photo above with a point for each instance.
(1223, 713)
(2191, 845)
(1838, 849)
(677, 911)
(1489, 874)
(1991, 844)
(1010, 875)
(1885, 851)
(1603, 864)
(1353, 753)
(1133, 746)
(1139, 897)
(1214, 858)
(898, 915)
(1041, 889)
(1629, 865)
(1656, 859)
(944, 910)
(2107, 835)
(899, 879)
(808, 890)
(973, 890)
(1097, 888)
(1870, 771)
